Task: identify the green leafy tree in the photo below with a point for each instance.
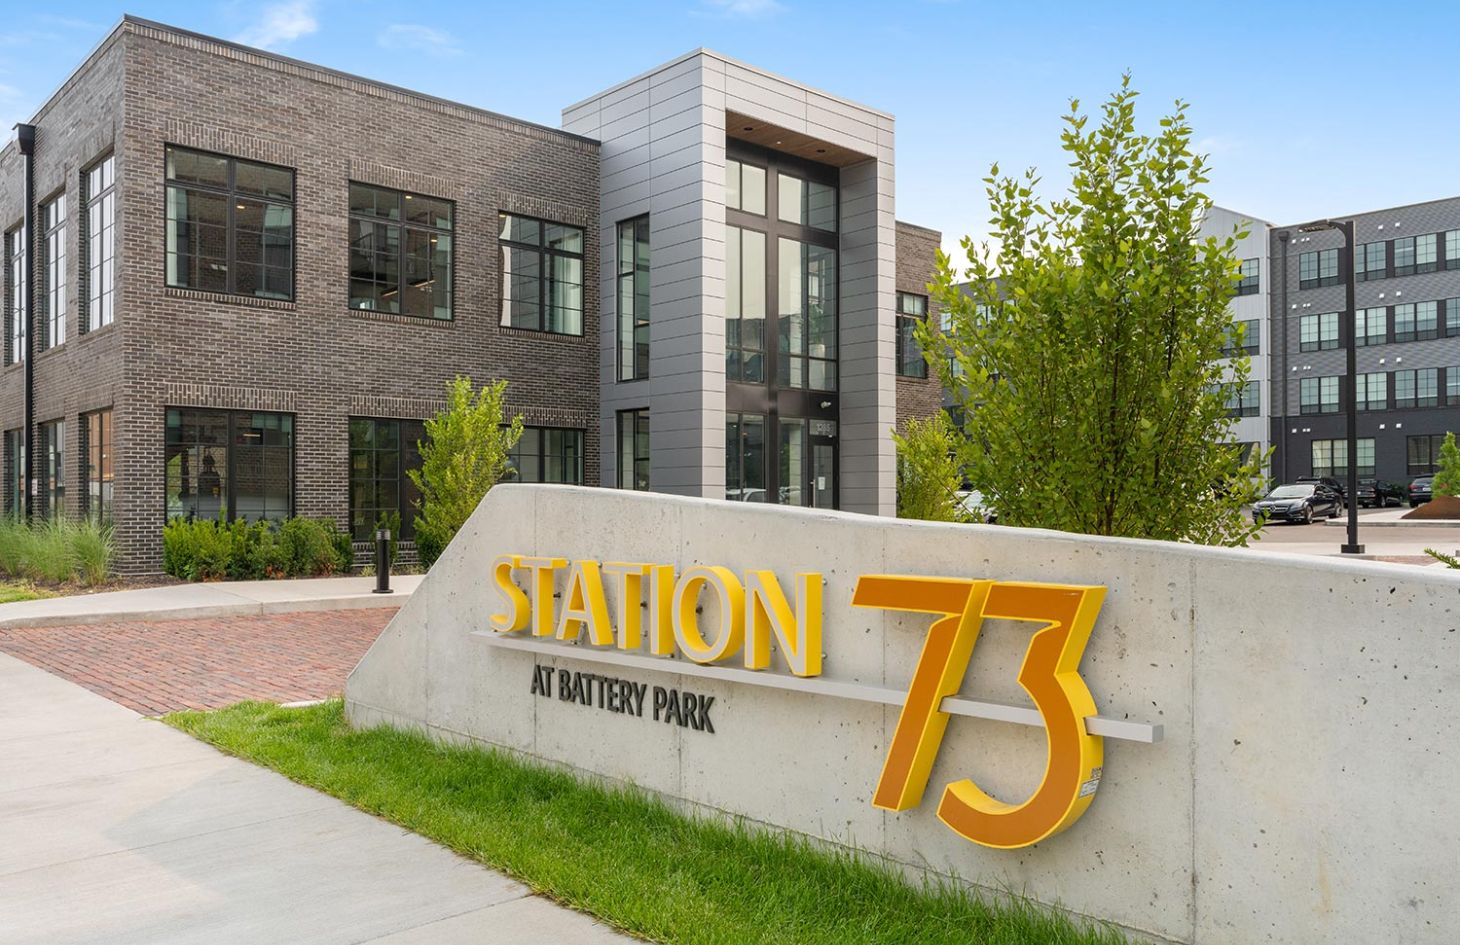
(1447, 475)
(1087, 348)
(928, 477)
(464, 454)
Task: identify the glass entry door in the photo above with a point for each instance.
(823, 473)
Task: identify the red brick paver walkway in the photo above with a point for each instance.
(165, 665)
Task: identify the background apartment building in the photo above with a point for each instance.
(1407, 323)
(250, 289)
(1250, 403)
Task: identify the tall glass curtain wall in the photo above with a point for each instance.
(781, 322)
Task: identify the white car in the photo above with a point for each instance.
(971, 503)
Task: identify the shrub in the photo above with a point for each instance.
(56, 551)
(310, 546)
(1447, 475)
(927, 473)
(197, 550)
(93, 550)
(207, 550)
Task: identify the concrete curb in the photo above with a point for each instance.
(193, 612)
(1395, 523)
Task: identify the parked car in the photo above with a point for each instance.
(973, 505)
(1421, 491)
(1300, 502)
(1328, 482)
(1379, 494)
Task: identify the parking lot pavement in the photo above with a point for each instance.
(1392, 541)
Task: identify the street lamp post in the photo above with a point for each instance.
(1346, 227)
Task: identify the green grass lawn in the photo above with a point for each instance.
(617, 853)
(11, 591)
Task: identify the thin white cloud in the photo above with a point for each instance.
(417, 37)
(743, 9)
(280, 23)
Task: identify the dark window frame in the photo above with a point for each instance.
(1415, 332)
(1432, 443)
(51, 497)
(1375, 257)
(402, 245)
(1249, 283)
(546, 254)
(97, 251)
(1322, 344)
(633, 364)
(1320, 404)
(1368, 338)
(18, 279)
(405, 489)
(542, 454)
(736, 421)
(229, 498)
(906, 322)
(1415, 399)
(632, 427)
(1320, 260)
(53, 307)
(231, 195)
(97, 453)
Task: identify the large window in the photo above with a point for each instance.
(1452, 317)
(1452, 386)
(745, 308)
(1318, 269)
(400, 252)
(548, 454)
(1423, 453)
(17, 277)
(1330, 457)
(1416, 321)
(1414, 254)
(633, 299)
(745, 187)
(100, 250)
(96, 501)
(806, 202)
(1371, 261)
(542, 275)
(745, 458)
(1372, 391)
(229, 464)
(53, 470)
(1318, 395)
(1244, 400)
(1452, 249)
(230, 225)
(1249, 277)
(1318, 332)
(382, 454)
(1417, 388)
(807, 315)
(1244, 337)
(53, 259)
(911, 310)
(14, 472)
(633, 449)
(1371, 326)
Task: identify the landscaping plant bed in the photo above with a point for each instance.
(1440, 507)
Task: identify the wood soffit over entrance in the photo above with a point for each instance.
(762, 133)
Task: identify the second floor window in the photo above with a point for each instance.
(1244, 337)
(1371, 391)
(633, 449)
(1318, 332)
(1318, 268)
(1318, 395)
(911, 309)
(16, 279)
(230, 225)
(400, 252)
(1249, 277)
(1371, 261)
(1418, 388)
(53, 255)
(1416, 321)
(1244, 401)
(542, 275)
(633, 299)
(100, 252)
(1371, 326)
(1452, 386)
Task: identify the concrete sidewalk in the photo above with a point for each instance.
(220, 599)
(116, 829)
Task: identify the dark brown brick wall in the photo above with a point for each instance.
(312, 357)
(916, 260)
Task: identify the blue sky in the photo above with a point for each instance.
(969, 82)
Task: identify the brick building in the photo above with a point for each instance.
(248, 289)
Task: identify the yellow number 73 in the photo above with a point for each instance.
(1050, 674)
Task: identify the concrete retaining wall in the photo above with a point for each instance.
(1304, 791)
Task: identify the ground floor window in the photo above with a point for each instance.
(230, 464)
(745, 455)
(382, 454)
(1330, 457)
(14, 462)
(633, 449)
(96, 427)
(53, 473)
(1424, 453)
(548, 454)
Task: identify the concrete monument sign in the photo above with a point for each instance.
(1210, 746)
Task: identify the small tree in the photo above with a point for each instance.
(1447, 475)
(1087, 350)
(464, 454)
(927, 470)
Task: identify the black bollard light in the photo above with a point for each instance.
(382, 561)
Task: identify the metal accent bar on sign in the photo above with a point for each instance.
(997, 711)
